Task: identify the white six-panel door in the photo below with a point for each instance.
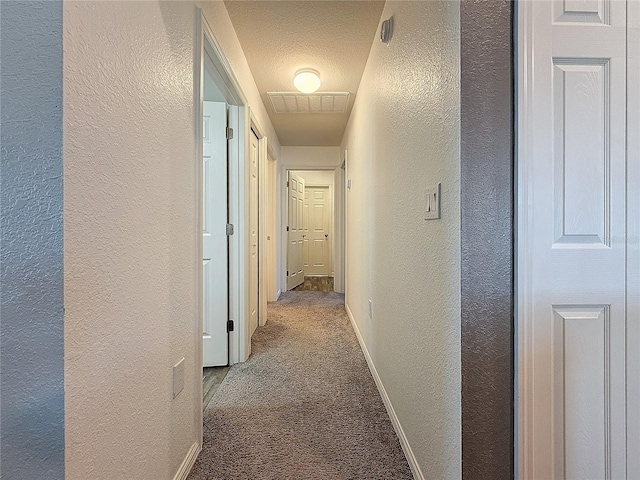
(572, 241)
(295, 201)
(214, 236)
(317, 216)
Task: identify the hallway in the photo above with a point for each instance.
(304, 406)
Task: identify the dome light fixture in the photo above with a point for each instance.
(307, 80)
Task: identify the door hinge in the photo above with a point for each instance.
(287, 273)
(229, 133)
(287, 228)
(229, 325)
(287, 183)
(229, 229)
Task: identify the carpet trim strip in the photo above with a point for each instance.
(397, 426)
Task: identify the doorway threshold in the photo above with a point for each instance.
(316, 284)
(212, 377)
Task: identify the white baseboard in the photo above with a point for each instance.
(404, 442)
(187, 464)
(278, 293)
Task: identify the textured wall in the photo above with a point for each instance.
(130, 232)
(311, 157)
(31, 300)
(486, 239)
(317, 177)
(130, 240)
(402, 136)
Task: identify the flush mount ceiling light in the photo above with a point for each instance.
(307, 80)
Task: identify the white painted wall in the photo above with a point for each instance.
(130, 235)
(211, 91)
(403, 135)
(317, 177)
(310, 157)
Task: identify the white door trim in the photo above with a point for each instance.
(238, 295)
(198, 94)
(633, 234)
(340, 232)
(522, 305)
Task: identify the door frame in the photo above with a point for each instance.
(522, 301)
(272, 228)
(338, 179)
(237, 158)
(633, 227)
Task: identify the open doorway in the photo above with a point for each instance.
(221, 108)
(310, 230)
(215, 234)
(215, 245)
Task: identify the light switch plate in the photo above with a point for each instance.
(433, 202)
(178, 378)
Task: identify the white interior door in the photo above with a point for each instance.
(295, 264)
(214, 236)
(572, 241)
(317, 221)
(253, 232)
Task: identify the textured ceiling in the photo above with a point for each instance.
(281, 37)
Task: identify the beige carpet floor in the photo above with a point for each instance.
(304, 406)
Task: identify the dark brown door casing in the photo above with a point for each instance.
(487, 210)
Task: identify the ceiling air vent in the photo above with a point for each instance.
(293, 102)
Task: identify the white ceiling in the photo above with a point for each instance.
(281, 37)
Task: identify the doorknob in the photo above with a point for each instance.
(326, 235)
(304, 236)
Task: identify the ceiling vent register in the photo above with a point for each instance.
(294, 102)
